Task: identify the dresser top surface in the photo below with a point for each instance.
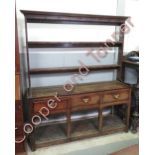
(38, 92)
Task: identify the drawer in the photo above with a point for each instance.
(84, 100)
(116, 95)
(50, 104)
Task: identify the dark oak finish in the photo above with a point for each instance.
(116, 95)
(71, 69)
(87, 100)
(33, 44)
(68, 18)
(120, 53)
(17, 63)
(18, 119)
(17, 88)
(20, 147)
(39, 92)
(83, 97)
(59, 106)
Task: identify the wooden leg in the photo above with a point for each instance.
(127, 117)
(123, 72)
(68, 123)
(100, 119)
(31, 141)
(112, 111)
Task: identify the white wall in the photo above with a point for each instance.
(131, 8)
(44, 58)
(131, 39)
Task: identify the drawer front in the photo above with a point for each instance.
(50, 104)
(84, 100)
(116, 95)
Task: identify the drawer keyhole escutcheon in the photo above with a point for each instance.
(116, 96)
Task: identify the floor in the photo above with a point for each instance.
(102, 145)
(132, 150)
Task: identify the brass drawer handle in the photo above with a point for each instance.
(116, 96)
(85, 100)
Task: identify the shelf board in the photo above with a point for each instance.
(84, 128)
(112, 122)
(56, 133)
(41, 44)
(50, 133)
(75, 116)
(72, 69)
(70, 18)
(91, 87)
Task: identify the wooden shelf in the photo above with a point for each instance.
(52, 133)
(69, 18)
(36, 92)
(84, 128)
(71, 69)
(76, 116)
(40, 44)
(112, 122)
(56, 133)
